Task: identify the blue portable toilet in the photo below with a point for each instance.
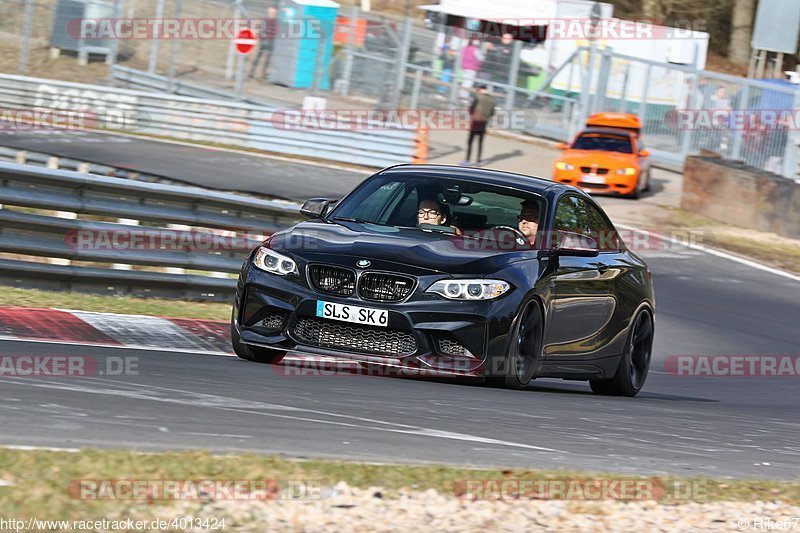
(304, 43)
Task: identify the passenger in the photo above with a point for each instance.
(528, 220)
(432, 213)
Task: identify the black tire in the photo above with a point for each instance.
(636, 194)
(515, 369)
(634, 364)
(253, 353)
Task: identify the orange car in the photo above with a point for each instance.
(606, 157)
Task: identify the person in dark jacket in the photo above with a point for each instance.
(480, 111)
(266, 42)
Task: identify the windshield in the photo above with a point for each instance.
(608, 142)
(442, 205)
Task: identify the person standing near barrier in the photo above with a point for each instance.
(498, 60)
(470, 66)
(266, 42)
(480, 111)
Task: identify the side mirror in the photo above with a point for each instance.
(568, 243)
(644, 153)
(562, 146)
(316, 207)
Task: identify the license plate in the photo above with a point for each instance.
(352, 313)
(593, 178)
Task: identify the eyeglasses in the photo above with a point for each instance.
(428, 213)
(527, 218)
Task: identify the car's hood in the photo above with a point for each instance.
(414, 250)
(587, 158)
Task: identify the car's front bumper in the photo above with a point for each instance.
(425, 331)
(611, 184)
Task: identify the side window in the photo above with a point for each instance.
(602, 230)
(576, 215)
(571, 215)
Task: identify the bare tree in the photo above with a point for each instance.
(741, 30)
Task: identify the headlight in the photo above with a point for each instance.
(630, 171)
(560, 165)
(469, 289)
(274, 262)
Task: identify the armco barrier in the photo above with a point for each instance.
(217, 121)
(155, 209)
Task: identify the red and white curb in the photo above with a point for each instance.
(109, 329)
(138, 332)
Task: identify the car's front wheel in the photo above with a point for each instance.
(637, 192)
(634, 364)
(253, 353)
(515, 369)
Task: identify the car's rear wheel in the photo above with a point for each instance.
(634, 364)
(253, 353)
(515, 369)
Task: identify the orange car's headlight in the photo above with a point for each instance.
(561, 165)
(629, 171)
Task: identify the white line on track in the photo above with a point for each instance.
(713, 251)
(39, 448)
(142, 391)
(117, 346)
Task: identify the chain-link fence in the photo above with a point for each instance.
(374, 61)
(686, 111)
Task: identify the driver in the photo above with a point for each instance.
(528, 220)
(431, 212)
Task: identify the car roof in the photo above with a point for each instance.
(481, 175)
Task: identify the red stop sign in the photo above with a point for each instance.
(245, 41)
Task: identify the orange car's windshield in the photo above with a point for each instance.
(607, 142)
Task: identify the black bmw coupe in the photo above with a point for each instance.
(458, 271)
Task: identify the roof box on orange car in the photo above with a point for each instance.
(622, 121)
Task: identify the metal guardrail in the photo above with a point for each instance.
(153, 213)
(162, 84)
(12, 155)
(217, 121)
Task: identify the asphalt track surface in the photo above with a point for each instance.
(706, 305)
(717, 426)
(195, 165)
